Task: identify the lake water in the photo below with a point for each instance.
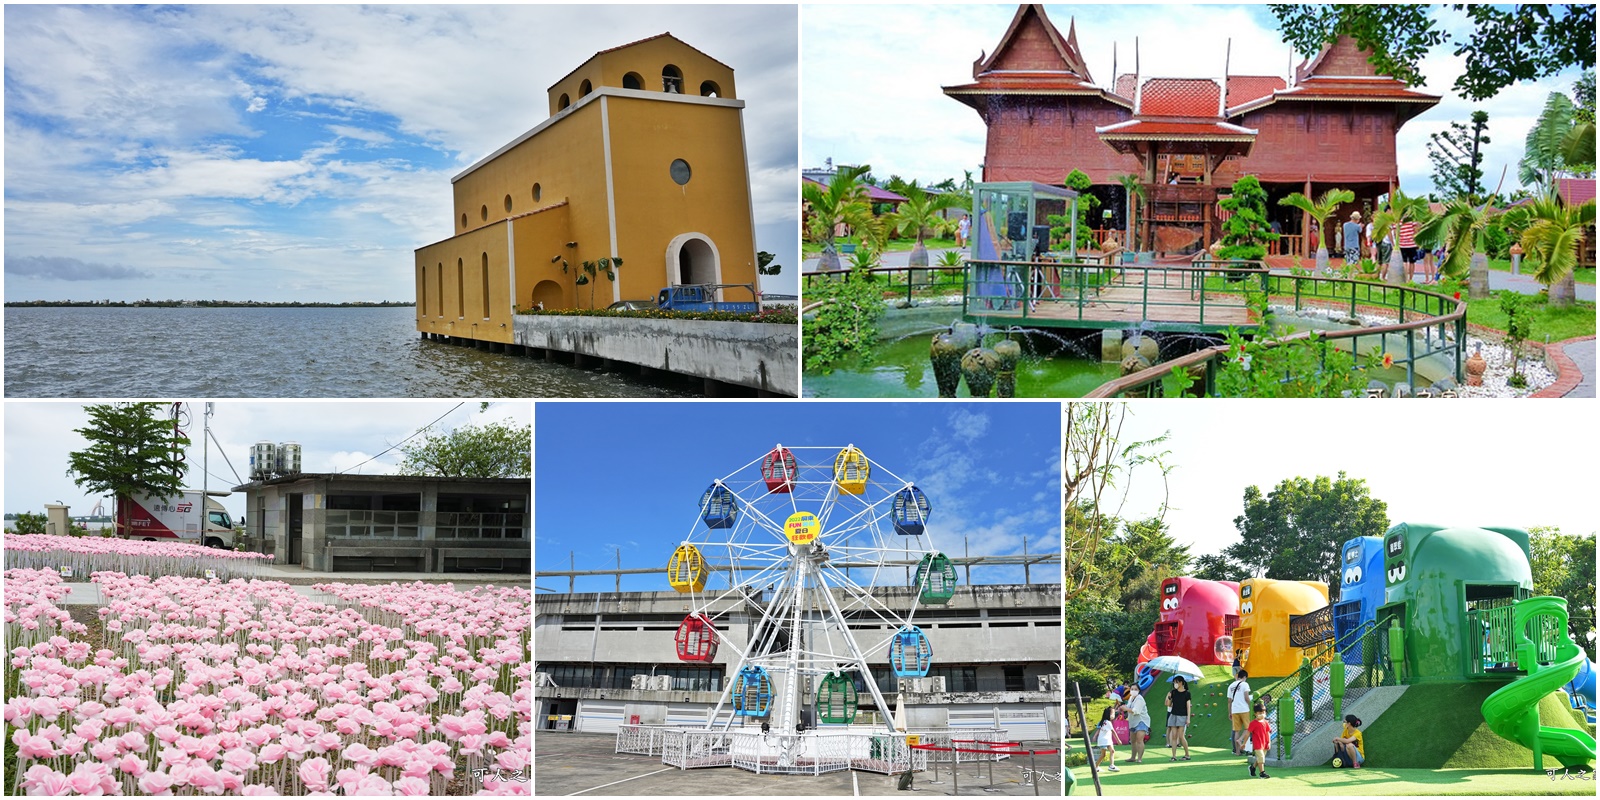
(275, 352)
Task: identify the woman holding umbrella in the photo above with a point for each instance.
(1178, 717)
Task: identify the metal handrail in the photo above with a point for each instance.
(1456, 317)
(1026, 287)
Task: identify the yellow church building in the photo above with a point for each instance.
(642, 159)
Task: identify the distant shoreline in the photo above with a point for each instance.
(201, 304)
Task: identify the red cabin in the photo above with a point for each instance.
(779, 470)
(696, 639)
(1197, 621)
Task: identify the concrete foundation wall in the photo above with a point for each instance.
(762, 357)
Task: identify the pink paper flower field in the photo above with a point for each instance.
(86, 555)
(248, 687)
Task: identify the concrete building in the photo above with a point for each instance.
(642, 158)
(605, 659)
(334, 523)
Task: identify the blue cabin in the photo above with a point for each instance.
(752, 692)
(910, 511)
(1361, 587)
(910, 654)
(718, 507)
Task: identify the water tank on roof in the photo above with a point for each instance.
(289, 458)
(263, 460)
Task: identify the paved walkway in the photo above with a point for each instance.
(899, 259)
(1525, 284)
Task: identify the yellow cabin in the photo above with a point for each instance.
(687, 569)
(642, 158)
(850, 470)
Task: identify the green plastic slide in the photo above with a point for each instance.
(1512, 712)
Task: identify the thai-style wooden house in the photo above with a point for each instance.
(1332, 125)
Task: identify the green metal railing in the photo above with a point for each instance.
(1495, 638)
(1428, 324)
(935, 280)
(1090, 293)
(1301, 708)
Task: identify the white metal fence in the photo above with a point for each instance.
(814, 753)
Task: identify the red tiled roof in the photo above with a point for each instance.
(1179, 97)
(1574, 191)
(874, 193)
(1354, 90)
(1244, 88)
(1037, 83)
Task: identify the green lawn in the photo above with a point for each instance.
(1217, 772)
(809, 249)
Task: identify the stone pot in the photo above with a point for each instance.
(1476, 365)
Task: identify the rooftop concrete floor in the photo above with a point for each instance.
(587, 764)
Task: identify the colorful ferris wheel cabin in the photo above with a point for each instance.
(851, 469)
(837, 699)
(779, 470)
(936, 579)
(687, 569)
(696, 639)
(718, 507)
(910, 653)
(1451, 591)
(1196, 621)
(910, 511)
(1266, 607)
(1361, 589)
(752, 692)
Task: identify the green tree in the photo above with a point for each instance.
(496, 450)
(1061, 224)
(1139, 558)
(1133, 187)
(1245, 234)
(845, 314)
(1400, 208)
(764, 263)
(1295, 531)
(1563, 566)
(843, 200)
(592, 270)
(1320, 210)
(1545, 149)
(1457, 156)
(1098, 460)
(1217, 567)
(1461, 229)
(29, 522)
(919, 213)
(133, 451)
(1506, 44)
(1552, 235)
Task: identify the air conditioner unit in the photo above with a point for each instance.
(638, 681)
(1050, 683)
(936, 684)
(661, 683)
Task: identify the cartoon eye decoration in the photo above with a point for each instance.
(1247, 607)
(1357, 572)
(1397, 573)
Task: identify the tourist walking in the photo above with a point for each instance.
(1239, 710)
(1352, 239)
(963, 228)
(1260, 734)
(1105, 751)
(1138, 724)
(1178, 717)
(1406, 236)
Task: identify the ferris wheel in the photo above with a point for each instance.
(803, 535)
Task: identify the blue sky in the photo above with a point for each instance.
(630, 475)
(304, 152)
(1174, 41)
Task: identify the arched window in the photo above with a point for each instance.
(537, 192)
(710, 89)
(632, 81)
(563, 102)
(671, 79)
(585, 88)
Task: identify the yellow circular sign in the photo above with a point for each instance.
(802, 527)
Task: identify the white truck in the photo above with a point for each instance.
(179, 518)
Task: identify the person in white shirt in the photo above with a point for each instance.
(1138, 723)
(1239, 711)
(1105, 751)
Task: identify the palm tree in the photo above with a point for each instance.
(844, 200)
(918, 213)
(1544, 151)
(1400, 209)
(1460, 229)
(1321, 210)
(1133, 187)
(1552, 234)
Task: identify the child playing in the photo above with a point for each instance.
(1260, 734)
(1348, 746)
(1104, 744)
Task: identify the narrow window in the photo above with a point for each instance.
(563, 102)
(508, 204)
(485, 285)
(438, 277)
(461, 290)
(537, 192)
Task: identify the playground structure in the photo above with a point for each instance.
(1422, 604)
(1197, 621)
(805, 532)
(1265, 637)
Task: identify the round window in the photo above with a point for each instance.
(680, 171)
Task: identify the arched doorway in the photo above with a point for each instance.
(693, 258)
(548, 293)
